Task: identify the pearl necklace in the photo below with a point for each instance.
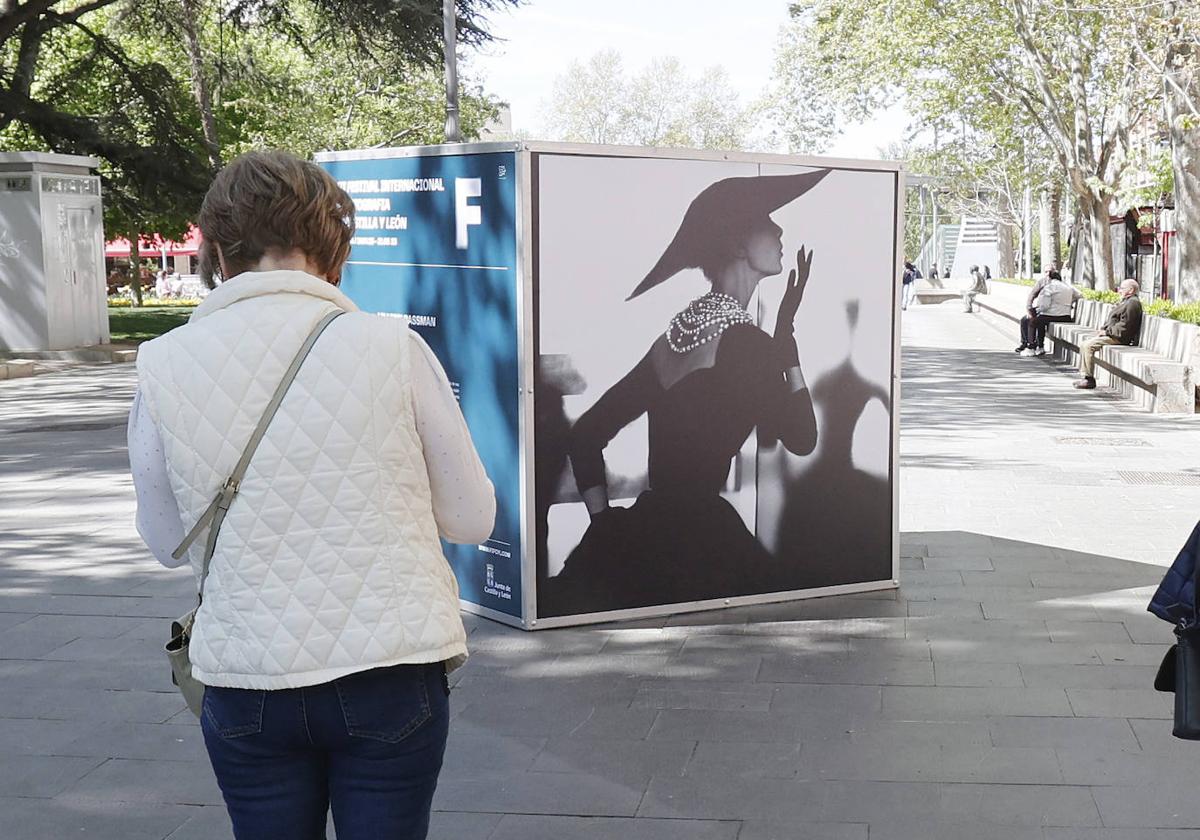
(704, 320)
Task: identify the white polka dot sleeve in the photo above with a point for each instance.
(158, 520)
(464, 501)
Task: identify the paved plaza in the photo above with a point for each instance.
(1003, 693)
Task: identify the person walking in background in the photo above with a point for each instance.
(1124, 326)
(978, 287)
(329, 616)
(908, 283)
(1054, 304)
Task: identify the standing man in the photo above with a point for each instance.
(908, 282)
(1123, 326)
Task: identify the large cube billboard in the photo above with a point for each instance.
(436, 243)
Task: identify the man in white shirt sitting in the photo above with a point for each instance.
(1053, 304)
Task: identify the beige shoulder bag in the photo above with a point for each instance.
(181, 629)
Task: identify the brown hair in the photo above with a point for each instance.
(273, 200)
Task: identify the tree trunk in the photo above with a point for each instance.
(1046, 255)
(135, 269)
(1008, 255)
(1099, 237)
(1056, 201)
(1182, 92)
(212, 143)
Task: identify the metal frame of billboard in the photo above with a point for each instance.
(526, 295)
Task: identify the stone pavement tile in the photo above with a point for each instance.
(1062, 732)
(1098, 765)
(90, 626)
(627, 762)
(92, 705)
(530, 827)
(886, 627)
(903, 734)
(1000, 650)
(12, 619)
(1154, 736)
(978, 674)
(146, 652)
(474, 753)
(762, 830)
(870, 802)
(1133, 654)
(857, 700)
(644, 641)
(1121, 702)
(1088, 676)
(21, 643)
(957, 608)
(889, 649)
(150, 741)
(457, 825)
(956, 703)
(524, 719)
(209, 822)
(1027, 561)
(713, 695)
(930, 763)
(797, 645)
(706, 725)
(133, 607)
(745, 760)
(1039, 610)
(931, 577)
(1087, 632)
(706, 797)
(620, 723)
(848, 670)
(1148, 629)
(42, 775)
(1027, 805)
(139, 673)
(24, 736)
(941, 628)
(729, 667)
(958, 562)
(1122, 834)
(905, 827)
(55, 819)
(140, 780)
(539, 793)
(1163, 802)
(487, 686)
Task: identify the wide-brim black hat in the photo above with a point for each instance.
(729, 206)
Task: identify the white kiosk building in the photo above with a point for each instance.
(52, 292)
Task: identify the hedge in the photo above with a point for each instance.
(1188, 313)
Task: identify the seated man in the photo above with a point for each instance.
(978, 287)
(1029, 308)
(1123, 327)
(1052, 305)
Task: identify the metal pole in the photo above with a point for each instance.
(450, 39)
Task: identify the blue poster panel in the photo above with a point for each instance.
(436, 242)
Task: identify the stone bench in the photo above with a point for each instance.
(929, 291)
(16, 368)
(1151, 373)
(1156, 374)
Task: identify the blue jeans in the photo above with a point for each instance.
(370, 745)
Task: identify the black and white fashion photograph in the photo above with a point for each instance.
(713, 380)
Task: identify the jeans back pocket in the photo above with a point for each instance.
(385, 704)
(233, 712)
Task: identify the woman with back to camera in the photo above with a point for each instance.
(706, 384)
(329, 616)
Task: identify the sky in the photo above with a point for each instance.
(540, 38)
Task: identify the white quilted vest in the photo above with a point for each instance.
(328, 562)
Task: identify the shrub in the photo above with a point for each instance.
(125, 303)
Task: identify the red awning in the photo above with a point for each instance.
(152, 246)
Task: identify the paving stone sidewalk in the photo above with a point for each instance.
(1003, 692)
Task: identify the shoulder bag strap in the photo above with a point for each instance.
(214, 514)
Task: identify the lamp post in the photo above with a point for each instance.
(450, 38)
